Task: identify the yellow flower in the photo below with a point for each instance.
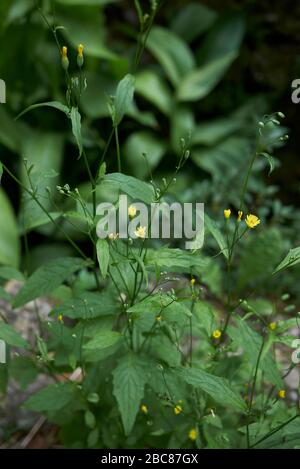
(252, 221)
(217, 334)
(272, 326)
(227, 213)
(178, 409)
(80, 50)
(80, 58)
(193, 434)
(158, 318)
(144, 409)
(132, 211)
(64, 58)
(240, 214)
(140, 232)
(281, 394)
(64, 52)
(60, 318)
(193, 281)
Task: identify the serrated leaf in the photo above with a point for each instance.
(218, 388)
(52, 398)
(88, 305)
(10, 336)
(103, 339)
(175, 259)
(48, 277)
(129, 379)
(103, 255)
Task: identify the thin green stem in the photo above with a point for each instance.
(118, 149)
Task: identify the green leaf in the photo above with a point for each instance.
(174, 259)
(211, 133)
(140, 143)
(84, 24)
(123, 98)
(53, 104)
(76, 128)
(11, 133)
(153, 88)
(223, 39)
(103, 255)
(102, 340)
(259, 257)
(217, 388)
(1, 171)
(271, 162)
(215, 231)
(199, 83)
(10, 336)
(88, 305)
(182, 127)
(9, 237)
(48, 277)
(133, 187)
(174, 55)
(44, 155)
(251, 342)
(52, 398)
(23, 370)
(9, 273)
(160, 305)
(192, 20)
(89, 419)
(292, 258)
(129, 379)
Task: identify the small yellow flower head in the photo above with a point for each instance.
(217, 334)
(144, 409)
(132, 211)
(158, 318)
(193, 434)
(193, 281)
(281, 394)
(272, 326)
(178, 409)
(112, 236)
(60, 318)
(140, 232)
(252, 221)
(227, 213)
(240, 214)
(64, 58)
(80, 58)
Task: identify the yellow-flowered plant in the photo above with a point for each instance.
(227, 213)
(252, 221)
